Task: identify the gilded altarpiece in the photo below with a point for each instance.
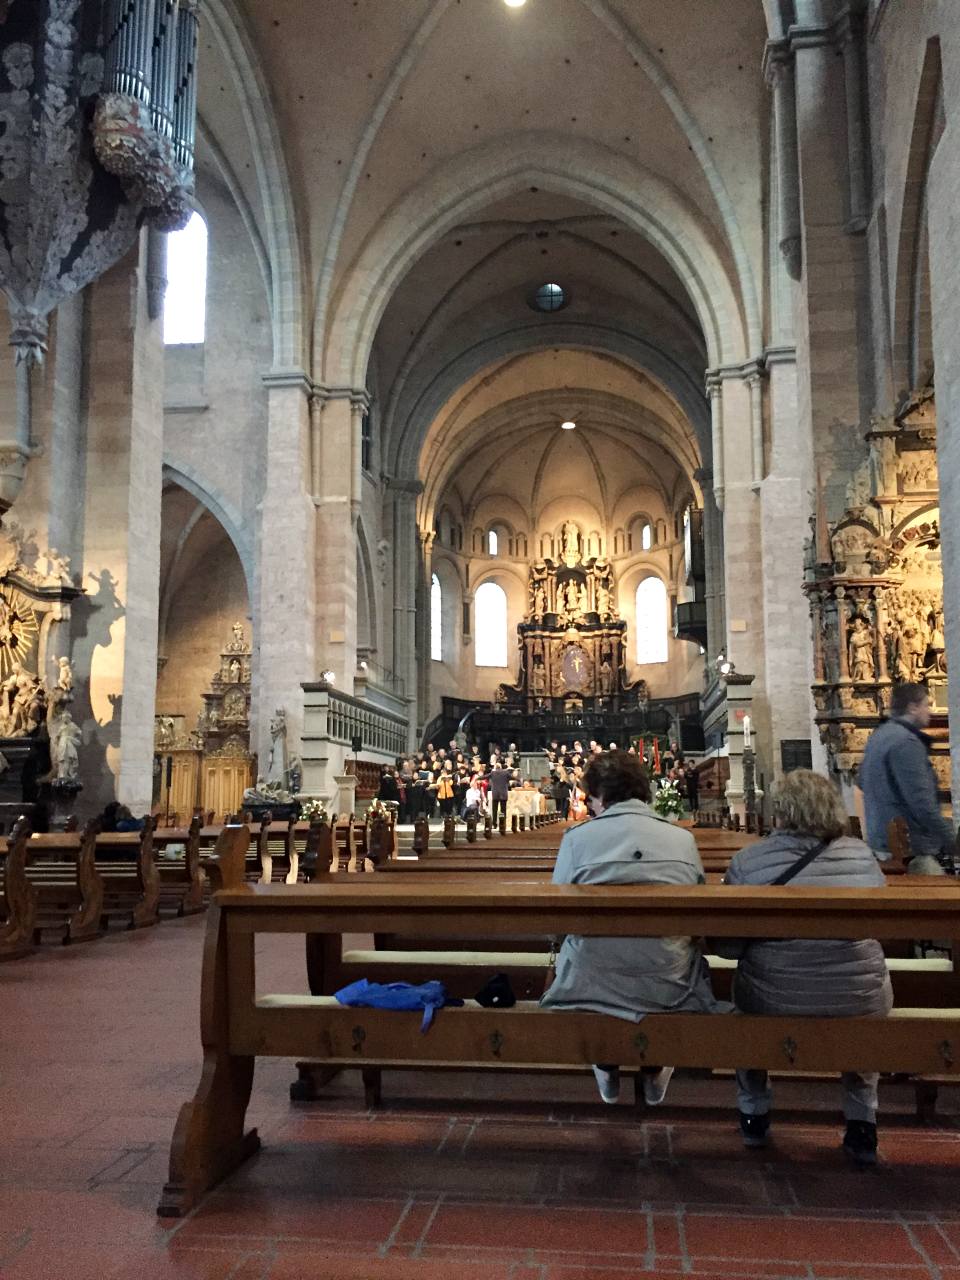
(875, 586)
(572, 643)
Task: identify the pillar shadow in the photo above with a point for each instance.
(93, 616)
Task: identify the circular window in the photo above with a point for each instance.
(550, 297)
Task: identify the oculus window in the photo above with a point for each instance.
(652, 621)
(549, 297)
(436, 620)
(185, 302)
(490, 626)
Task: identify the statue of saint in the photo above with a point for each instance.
(64, 675)
(860, 645)
(571, 542)
(538, 680)
(65, 738)
(277, 765)
(606, 677)
(572, 598)
(603, 600)
(539, 601)
(237, 644)
(235, 670)
(584, 599)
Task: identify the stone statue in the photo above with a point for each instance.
(277, 764)
(237, 644)
(64, 747)
(584, 599)
(265, 793)
(64, 674)
(538, 680)
(58, 568)
(606, 677)
(603, 600)
(571, 542)
(539, 601)
(236, 670)
(572, 600)
(860, 647)
(859, 490)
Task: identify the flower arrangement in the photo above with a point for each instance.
(668, 801)
(311, 809)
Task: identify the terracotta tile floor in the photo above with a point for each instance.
(485, 1178)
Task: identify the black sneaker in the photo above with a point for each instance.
(755, 1130)
(860, 1142)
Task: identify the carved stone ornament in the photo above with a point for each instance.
(875, 586)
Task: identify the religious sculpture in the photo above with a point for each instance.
(65, 739)
(64, 674)
(862, 663)
(875, 586)
(237, 643)
(570, 537)
(277, 764)
(539, 601)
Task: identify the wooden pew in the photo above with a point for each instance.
(237, 1025)
(131, 882)
(277, 840)
(62, 869)
(181, 879)
(18, 897)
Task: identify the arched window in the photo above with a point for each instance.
(651, 621)
(436, 620)
(646, 537)
(492, 542)
(185, 302)
(490, 626)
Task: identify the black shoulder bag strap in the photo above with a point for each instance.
(803, 861)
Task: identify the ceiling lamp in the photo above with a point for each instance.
(568, 426)
(514, 4)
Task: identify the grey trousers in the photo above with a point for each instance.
(859, 1094)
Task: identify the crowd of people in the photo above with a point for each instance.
(437, 782)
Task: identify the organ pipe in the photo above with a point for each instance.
(185, 96)
(164, 67)
(129, 34)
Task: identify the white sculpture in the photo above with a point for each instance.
(64, 674)
(277, 764)
(64, 747)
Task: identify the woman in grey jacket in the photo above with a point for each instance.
(627, 843)
(805, 976)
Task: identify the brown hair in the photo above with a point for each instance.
(809, 803)
(613, 776)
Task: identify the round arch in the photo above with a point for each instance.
(582, 169)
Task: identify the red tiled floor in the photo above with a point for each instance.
(481, 1177)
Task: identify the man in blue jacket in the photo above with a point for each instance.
(898, 781)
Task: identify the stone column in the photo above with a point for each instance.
(424, 581)
(943, 202)
(834, 368)
(284, 625)
(713, 568)
(336, 567)
(785, 504)
(405, 557)
(115, 651)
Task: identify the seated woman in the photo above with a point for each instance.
(627, 843)
(811, 977)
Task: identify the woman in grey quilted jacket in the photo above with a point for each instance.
(811, 977)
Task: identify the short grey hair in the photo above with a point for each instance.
(809, 803)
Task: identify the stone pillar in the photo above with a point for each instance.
(713, 568)
(741, 528)
(115, 652)
(405, 558)
(943, 203)
(336, 565)
(285, 625)
(424, 581)
(785, 503)
(834, 369)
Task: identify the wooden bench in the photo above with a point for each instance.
(62, 868)
(18, 898)
(177, 855)
(237, 1025)
(131, 881)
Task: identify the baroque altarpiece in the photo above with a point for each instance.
(572, 641)
(875, 586)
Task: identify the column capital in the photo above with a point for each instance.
(784, 354)
(359, 397)
(295, 378)
(753, 368)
